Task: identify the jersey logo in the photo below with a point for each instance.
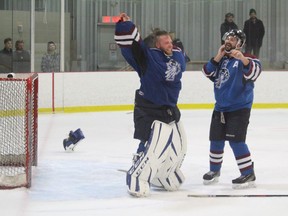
(222, 78)
(173, 68)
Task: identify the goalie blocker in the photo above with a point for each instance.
(159, 165)
(72, 141)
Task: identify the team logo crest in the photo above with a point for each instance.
(173, 68)
(222, 77)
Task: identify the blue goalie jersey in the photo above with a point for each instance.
(160, 74)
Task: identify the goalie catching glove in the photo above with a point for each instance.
(70, 143)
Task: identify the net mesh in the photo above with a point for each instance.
(18, 130)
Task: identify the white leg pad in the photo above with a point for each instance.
(170, 181)
(170, 176)
(157, 149)
(179, 141)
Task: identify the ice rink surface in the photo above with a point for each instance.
(87, 182)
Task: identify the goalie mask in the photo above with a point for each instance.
(240, 35)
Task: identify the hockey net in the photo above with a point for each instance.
(18, 129)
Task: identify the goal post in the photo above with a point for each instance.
(18, 129)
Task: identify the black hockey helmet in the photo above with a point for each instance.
(236, 33)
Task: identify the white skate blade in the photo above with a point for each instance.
(246, 185)
(211, 182)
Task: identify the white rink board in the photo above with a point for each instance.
(117, 88)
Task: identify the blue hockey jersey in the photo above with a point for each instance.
(160, 74)
(233, 82)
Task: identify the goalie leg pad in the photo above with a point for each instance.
(170, 176)
(137, 187)
(179, 142)
(146, 167)
(171, 183)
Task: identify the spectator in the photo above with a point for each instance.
(21, 58)
(227, 25)
(254, 30)
(6, 56)
(51, 60)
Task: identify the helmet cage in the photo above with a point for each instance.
(241, 37)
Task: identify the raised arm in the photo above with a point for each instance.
(131, 44)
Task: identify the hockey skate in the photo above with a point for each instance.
(211, 177)
(244, 181)
(71, 142)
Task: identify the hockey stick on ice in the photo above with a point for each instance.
(122, 170)
(235, 195)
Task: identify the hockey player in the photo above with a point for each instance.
(233, 74)
(157, 123)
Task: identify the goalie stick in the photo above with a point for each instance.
(235, 195)
(122, 170)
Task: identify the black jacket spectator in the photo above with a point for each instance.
(227, 25)
(254, 30)
(6, 55)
